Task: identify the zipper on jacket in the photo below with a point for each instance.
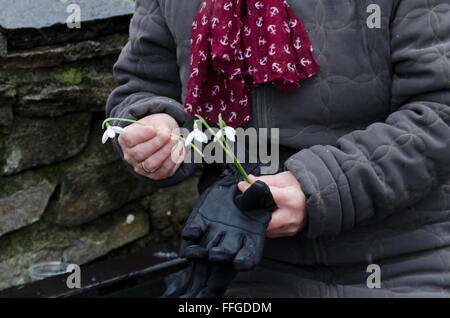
(316, 250)
(333, 291)
(327, 277)
(260, 104)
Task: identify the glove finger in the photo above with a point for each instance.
(227, 249)
(195, 230)
(257, 196)
(178, 283)
(246, 259)
(200, 251)
(220, 277)
(199, 277)
(195, 252)
(184, 244)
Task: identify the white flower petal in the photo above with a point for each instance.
(218, 135)
(205, 138)
(197, 135)
(105, 138)
(117, 129)
(230, 132)
(189, 139)
(111, 134)
(200, 136)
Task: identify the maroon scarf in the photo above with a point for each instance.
(238, 44)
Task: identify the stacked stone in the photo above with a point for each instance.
(63, 195)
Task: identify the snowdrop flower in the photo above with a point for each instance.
(196, 134)
(230, 133)
(111, 132)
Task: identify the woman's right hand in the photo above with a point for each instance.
(150, 149)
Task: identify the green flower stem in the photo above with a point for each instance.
(107, 120)
(222, 140)
(191, 144)
(238, 165)
(225, 146)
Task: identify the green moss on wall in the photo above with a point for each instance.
(71, 76)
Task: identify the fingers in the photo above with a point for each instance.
(153, 159)
(167, 169)
(271, 180)
(285, 222)
(199, 276)
(178, 283)
(245, 259)
(160, 142)
(197, 252)
(227, 249)
(219, 279)
(193, 250)
(162, 156)
(192, 235)
(171, 163)
(279, 194)
(135, 134)
(243, 186)
(281, 225)
(290, 216)
(194, 231)
(178, 153)
(152, 152)
(282, 179)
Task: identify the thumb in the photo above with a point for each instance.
(243, 186)
(278, 194)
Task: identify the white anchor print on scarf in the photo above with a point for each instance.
(238, 44)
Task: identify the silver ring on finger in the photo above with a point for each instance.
(146, 170)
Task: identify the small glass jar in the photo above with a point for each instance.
(47, 269)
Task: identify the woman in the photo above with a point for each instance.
(365, 142)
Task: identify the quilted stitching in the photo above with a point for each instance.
(380, 189)
(147, 74)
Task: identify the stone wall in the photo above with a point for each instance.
(64, 195)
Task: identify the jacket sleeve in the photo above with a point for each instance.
(388, 166)
(148, 79)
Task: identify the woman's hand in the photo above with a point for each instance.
(150, 149)
(290, 217)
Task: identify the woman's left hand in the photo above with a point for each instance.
(290, 217)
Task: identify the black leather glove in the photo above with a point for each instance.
(228, 226)
(224, 233)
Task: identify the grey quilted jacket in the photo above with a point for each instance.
(371, 133)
